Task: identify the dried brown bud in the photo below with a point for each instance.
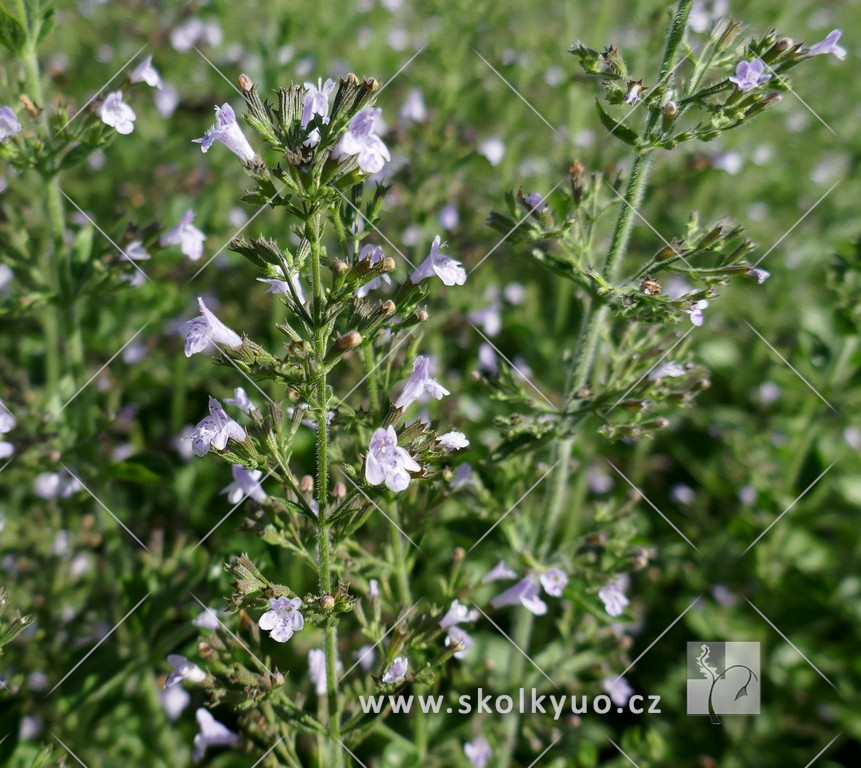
(349, 340)
(388, 308)
(575, 174)
(458, 554)
(245, 83)
(205, 650)
(306, 484)
(339, 491)
(650, 287)
(583, 393)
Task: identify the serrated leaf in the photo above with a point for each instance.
(616, 128)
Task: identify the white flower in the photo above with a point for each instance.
(493, 149)
(526, 592)
(419, 384)
(457, 614)
(284, 619)
(283, 287)
(829, 45)
(246, 482)
(614, 599)
(207, 619)
(463, 477)
(619, 690)
(7, 420)
(397, 671)
(449, 217)
(499, 572)
(554, 581)
(145, 72)
(388, 462)
(666, 370)
(316, 103)
(446, 268)
(414, 107)
(6, 449)
(241, 400)
(51, 485)
(761, 275)
(683, 494)
(183, 669)
(478, 751)
(696, 312)
(453, 441)
(361, 140)
(166, 100)
(117, 114)
(212, 734)
(365, 656)
(215, 430)
(227, 131)
(6, 273)
(456, 636)
(373, 589)
(374, 253)
(174, 700)
(317, 670)
(206, 330)
(9, 125)
(187, 236)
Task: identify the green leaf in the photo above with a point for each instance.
(49, 19)
(615, 128)
(12, 33)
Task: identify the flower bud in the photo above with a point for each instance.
(327, 602)
(422, 314)
(349, 341)
(339, 491)
(245, 83)
(459, 554)
(575, 176)
(668, 112)
(340, 267)
(387, 264)
(306, 484)
(205, 650)
(388, 308)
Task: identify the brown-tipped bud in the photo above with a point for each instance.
(245, 83)
(388, 308)
(575, 175)
(205, 650)
(340, 267)
(784, 44)
(306, 484)
(584, 393)
(339, 491)
(458, 555)
(650, 286)
(728, 34)
(349, 340)
(670, 109)
(422, 314)
(387, 264)
(327, 602)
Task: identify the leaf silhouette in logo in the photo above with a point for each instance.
(741, 692)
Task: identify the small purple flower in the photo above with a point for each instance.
(666, 370)
(526, 592)
(761, 275)
(448, 217)
(614, 599)
(206, 330)
(619, 690)
(9, 125)
(452, 441)
(414, 109)
(457, 614)
(444, 267)
(7, 420)
(696, 312)
(829, 45)
(388, 462)
(145, 72)
(499, 572)
(212, 734)
(397, 671)
(419, 384)
(187, 236)
(241, 400)
(374, 253)
(554, 581)
(635, 88)
(166, 100)
(317, 670)
(457, 636)
(117, 114)
(183, 669)
(749, 75)
(215, 430)
(246, 482)
(316, 103)
(535, 200)
(284, 619)
(227, 131)
(478, 752)
(7, 449)
(361, 140)
(277, 285)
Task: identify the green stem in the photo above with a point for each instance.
(371, 368)
(516, 665)
(313, 233)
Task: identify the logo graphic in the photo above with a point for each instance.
(723, 679)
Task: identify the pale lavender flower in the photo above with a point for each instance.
(666, 370)
(284, 619)
(7, 449)
(457, 613)
(215, 430)
(457, 636)
(487, 361)
(184, 36)
(373, 589)
(723, 596)
(366, 657)
(526, 592)
(52, 485)
(316, 103)
(361, 140)
(116, 114)
(145, 72)
(206, 330)
(187, 236)
(183, 669)
(852, 436)
(619, 690)
(414, 109)
(761, 275)
(829, 45)
(463, 477)
(317, 670)
(9, 125)
(241, 400)
(478, 752)
(614, 599)
(535, 201)
(173, 701)
(449, 218)
(683, 494)
(635, 88)
(207, 619)
(489, 318)
(6, 276)
(166, 100)
(375, 254)
(283, 287)
(554, 581)
(397, 671)
(493, 149)
(444, 267)
(419, 384)
(212, 734)
(227, 131)
(7, 420)
(388, 462)
(246, 482)
(499, 572)
(749, 75)
(696, 312)
(453, 441)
